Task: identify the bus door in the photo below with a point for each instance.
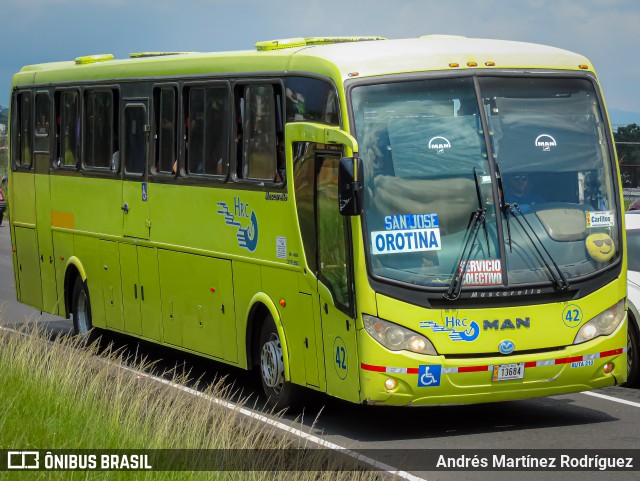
(138, 264)
(325, 236)
(135, 205)
(23, 212)
(41, 157)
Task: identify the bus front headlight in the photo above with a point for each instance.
(603, 324)
(397, 338)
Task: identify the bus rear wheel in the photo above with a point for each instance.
(81, 308)
(281, 394)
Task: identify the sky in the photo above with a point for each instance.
(605, 31)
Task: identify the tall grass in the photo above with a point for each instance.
(62, 394)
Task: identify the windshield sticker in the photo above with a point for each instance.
(604, 218)
(485, 179)
(407, 233)
(439, 145)
(600, 247)
(482, 273)
(458, 329)
(246, 223)
(403, 241)
(411, 221)
(546, 142)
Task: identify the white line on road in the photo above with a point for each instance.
(264, 419)
(611, 398)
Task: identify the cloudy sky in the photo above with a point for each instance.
(34, 31)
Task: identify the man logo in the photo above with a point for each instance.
(546, 142)
(439, 144)
(506, 347)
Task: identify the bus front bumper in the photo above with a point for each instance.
(432, 380)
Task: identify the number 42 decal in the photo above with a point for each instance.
(341, 363)
(341, 357)
(572, 316)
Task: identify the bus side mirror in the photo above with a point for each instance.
(350, 194)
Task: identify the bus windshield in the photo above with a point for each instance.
(541, 177)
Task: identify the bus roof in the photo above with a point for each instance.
(343, 58)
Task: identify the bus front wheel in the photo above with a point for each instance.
(281, 394)
(81, 308)
(633, 362)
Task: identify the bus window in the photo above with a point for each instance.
(206, 131)
(261, 126)
(134, 126)
(166, 124)
(23, 132)
(43, 105)
(311, 100)
(69, 135)
(98, 141)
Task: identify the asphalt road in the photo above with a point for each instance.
(578, 421)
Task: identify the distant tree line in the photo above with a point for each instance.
(628, 147)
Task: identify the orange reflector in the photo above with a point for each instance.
(490, 64)
(13, 250)
(282, 302)
(61, 258)
(608, 367)
(213, 289)
(472, 64)
(354, 74)
(454, 65)
(584, 67)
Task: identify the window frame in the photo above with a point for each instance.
(84, 128)
(184, 114)
(156, 112)
(59, 111)
(237, 163)
(17, 136)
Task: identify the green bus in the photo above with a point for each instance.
(400, 222)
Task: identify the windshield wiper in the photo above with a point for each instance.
(556, 273)
(475, 222)
(484, 221)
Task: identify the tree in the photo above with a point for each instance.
(628, 147)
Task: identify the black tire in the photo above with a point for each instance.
(1, 217)
(633, 362)
(281, 395)
(81, 308)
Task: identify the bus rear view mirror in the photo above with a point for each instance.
(350, 186)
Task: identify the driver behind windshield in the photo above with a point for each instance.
(519, 190)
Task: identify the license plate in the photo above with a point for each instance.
(507, 372)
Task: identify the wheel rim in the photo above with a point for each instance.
(83, 312)
(271, 364)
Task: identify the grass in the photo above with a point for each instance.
(62, 395)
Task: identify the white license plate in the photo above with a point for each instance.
(506, 372)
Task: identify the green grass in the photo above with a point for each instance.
(60, 395)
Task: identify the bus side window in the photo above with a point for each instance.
(98, 141)
(23, 130)
(68, 127)
(166, 130)
(258, 135)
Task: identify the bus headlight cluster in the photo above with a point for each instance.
(603, 324)
(397, 338)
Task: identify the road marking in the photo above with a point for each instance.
(264, 419)
(611, 398)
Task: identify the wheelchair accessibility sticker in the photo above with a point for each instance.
(429, 375)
